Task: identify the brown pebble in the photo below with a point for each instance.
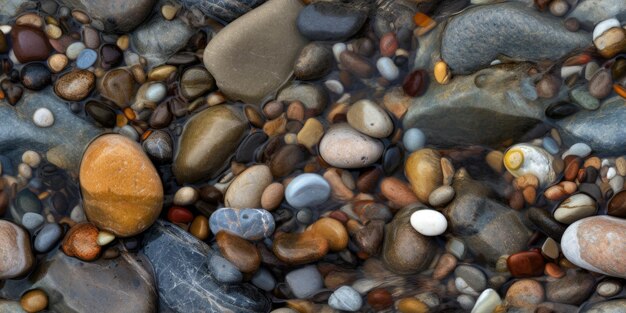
(516, 201)
(81, 16)
(81, 242)
(594, 162)
(273, 109)
(412, 305)
(272, 196)
(388, 45)
(600, 85)
(339, 190)
(300, 248)
(243, 254)
(526, 180)
(379, 299)
(34, 300)
(295, 111)
(356, 64)
(57, 62)
(200, 227)
(397, 191)
(276, 126)
(445, 265)
(254, 116)
(447, 169)
(333, 231)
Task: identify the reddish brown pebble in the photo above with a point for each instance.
(415, 83)
(243, 254)
(554, 270)
(81, 241)
(388, 45)
(29, 44)
(300, 248)
(526, 264)
(445, 265)
(379, 299)
(179, 215)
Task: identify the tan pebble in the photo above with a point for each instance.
(445, 265)
(442, 72)
(555, 193)
(396, 102)
(620, 165)
(254, 116)
(397, 191)
(337, 112)
(525, 293)
(594, 162)
(169, 11)
(53, 31)
(215, 98)
(526, 180)
(412, 305)
(185, 196)
(200, 227)
(291, 138)
(447, 168)
(423, 170)
(333, 231)
(32, 158)
(104, 238)
(554, 133)
(276, 126)
(81, 16)
(138, 73)
(494, 160)
(348, 180)
(569, 187)
(30, 19)
(295, 111)
(441, 196)
(24, 170)
(530, 194)
(272, 196)
(161, 72)
(57, 62)
(339, 190)
(34, 300)
(123, 42)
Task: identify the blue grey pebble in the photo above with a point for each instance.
(307, 190)
(346, 299)
(48, 237)
(528, 89)
(7, 165)
(305, 216)
(32, 221)
(86, 58)
(263, 279)
(550, 145)
(304, 282)
(413, 139)
(223, 270)
(250, 224)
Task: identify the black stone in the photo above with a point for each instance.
(330, 21)
(246, 151)
(110, 56)
(392, 159)
(35, 76)
(102, 113)
(546, 223)
(561, 110)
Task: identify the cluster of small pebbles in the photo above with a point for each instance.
(271, 134)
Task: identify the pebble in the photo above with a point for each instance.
(178, 214)
(31, 158)
(413, 139)
(32, 221)
(580, 149)
(75, 85)
(295, 248)
(338, 48)
(35, 300)
(525, 264)
(609, 288)
(550, 145)
(522, 159)
(17, 257)
(466, 301)
(304, 282)
(441, 196)
(415, 83)
(429, 222)
(358, 150)
(345, 298)
(330, 21)
(583, 98)
(224, 271)
(196, 81)
(48, 237)
(487, 302)
(117, 85)
(472, 278)
(525, 293)
(315, 61)
(397, 191)
(600, 84)
(185, 196)
(250, 224)
(158, 146)
(574, 208)
(57, 62)
(387, 68)
(263, 279)
(311, 133)
(423, 170)
(307, 190)
(35, 76)
(442, 72)
(247, 188)
(243, 254)
(86, 58)
(379, 299)
(574, 288)
(74, 50)
(411, 305)
(370, 119)
(356, 64)
(104, 238)
(550, 248)
(29, 44)
(81, 242)
(43, 118)
(110, 56)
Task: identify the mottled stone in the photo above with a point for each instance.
(158, 39)
(185, 283)
(266, 34)
(571, 289)
(480, 34)
(16, 257)
(251, 224)
(344, 147)
(117, 15)
(223, 11)
(207, 141)
(159, 146)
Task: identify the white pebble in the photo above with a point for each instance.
(334, 86)
(611, 173)
(387, 68)
(578, 149)
(104, 238)
(77, 214)
(32, 158)
(74, 50)
(606, 162)
(429, 222)
(567, 71)
(5, 29)
(338, 48)
(487, 301)
(413, 139)
(185, 196)
(156, 92)
(604, 26)
(24, 170)
(43, 118)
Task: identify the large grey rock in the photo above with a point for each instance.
(73, 286)
(489, 228)
(485, 108)
(159, 39)
(611, 306)
(603, 129)
(9, 8)
(184, 281)
(62, 143)
(224, 11)
(254, 55)
(480, 34)
(591, 12)
(119, 16)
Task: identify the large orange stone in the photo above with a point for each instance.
(122, 191)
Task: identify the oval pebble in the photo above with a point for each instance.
(429, 222)
(387, 68)
(250, 224)
(86, 58)
(263, 279)
(307, 190)
(32, 221)
(156, 92)
(346, 299)
(43, 118)
(413, 139)
(74, 50)
(441, 196)
(224, 271)
(574, 208)
(47, 237)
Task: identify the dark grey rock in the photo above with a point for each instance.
(489, 228)
(223, 270)
(546, 223)
(184, 281)
(25, 201)
(263, 279)
(305, 282)
(48, 237)
(480, 34)
(603, 129)
(611, 306)
(251, 224)
(119, 16)
(159, 39)
(331, 21)
(486, 108)
(159, 146)
(35, 76)
(73, 286)
(315, 61)
(574, 288)
(224, 11)
(592, 12)
(62, 143)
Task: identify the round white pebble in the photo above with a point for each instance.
(387, 68)
(185, 196)
(74, 50)
(429, 222)
(338, 48)
(43, 117)
(156, 92)
(32, 158)
(413, 139)
(334, 86)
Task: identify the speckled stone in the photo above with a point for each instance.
(223, 270)
(251, 224)
(17, 258)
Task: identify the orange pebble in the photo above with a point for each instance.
(422, 20)
(554, 270)
(1, 94)
(130, 114)
(146, 134)
(620, 90)
(121, 120)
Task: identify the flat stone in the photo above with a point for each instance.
(304, 282)
(251, 224)
(224, 271)
(307, 190)
(117, 15)
(184, 282)
(331, 21)
(344, 147)
(159, 39)
(17, 258)
(223, 11)
(480, 34)
(243, 43)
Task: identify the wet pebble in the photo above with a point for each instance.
(75, 85)
(387, 68)
(574, 208)
(17, 257)
(223, 270)
(487, 302)
(525, 293)
(441, 196)
(609, 288)
(29, 44)
(32, 221)
(314, 62)
(358, 150)
(330, 21)
(304, 282)
(57, 62)
(471, 277)
(196, 81)
(251, 224)
(307, 190)
(423, 170)
(263, 279)
(48, 237)
(159, 146)
(86, 58)
(429, 222)
(35, 300)
(43, 118)
(35, 76)
(600, 85)
(247, 188)
(73, 51)
(240, 252)
(571, 289)
(370, 119)
(81, 242)
(346, 298)
(110, 56)
(413, 139)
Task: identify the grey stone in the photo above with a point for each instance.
(592, 12)
(346, 299)
(489, 228)
(571, 289)
(583, 98)
(304, 282)
(25, 201)
(313, 97)
(251, 224)
(32, 221)
(331, 21)
(480, 34)
(184, 281)
(48, 237)
(74, 286)
(474, 277)
(392, 16)
(159, 146)
(10, 8)
(263, 279)
(223, 270)
(611, 306)
(119, 16)
(159, 39)
(603, 129)
(7, 306)
(315, 61)
(223, 11)
(62, 143)
(306, 190)
(489, 110)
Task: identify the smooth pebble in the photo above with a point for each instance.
(307, 190)
(43, 118)
(346, 299)
(86, 58)
(429, 222)
(413, 139)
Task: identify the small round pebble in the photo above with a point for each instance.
(32, 221)
(86, 58)
(47, 237)
(32, 158)
(429, 222)
(224, 271)
(346, 299)
(609, 288)
(441, 196)
(387, 68)
(104, 238)
(34, 301)
(73, 51)
(413, 139)
(43, 118)
(264, 280)
(305, 216)
(185, 196)
(156, 92)
(550, 145)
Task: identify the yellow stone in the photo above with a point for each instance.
(423, 170)
(122, 191)
(412, 305)
(513, 159)
(311, 133)
(442, 72)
